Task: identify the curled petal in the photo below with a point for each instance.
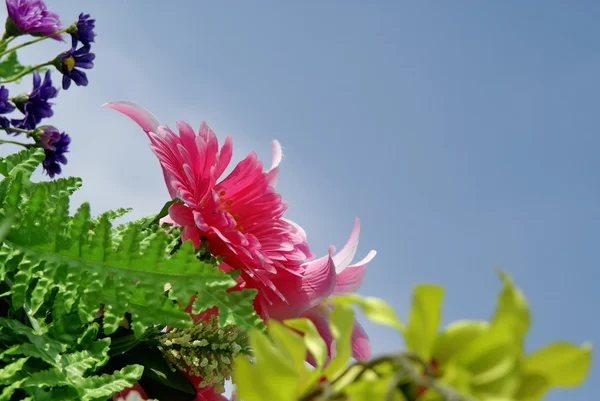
(182, 215)
(277, 154)
(344, 257)
(350, 279)
(137, 113)
(305, 292)
(149, 124)
(361, 346)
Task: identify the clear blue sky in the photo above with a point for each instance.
(463, 134)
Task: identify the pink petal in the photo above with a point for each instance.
(318, 281)
(361, 346)
(224, 156)
(136, 388)
(344, 257)
(149, 124)
(182, 215)
(137, 113)
(320, 317)
(277, 154)
(349, 280)
(193, 234)
(304, 293)
(167, 220)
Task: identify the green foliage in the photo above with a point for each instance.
(279, 371)
(72, 282)
(467, 360)
(486, 360)
(10, 65)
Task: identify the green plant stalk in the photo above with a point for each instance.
(27, 71)
(12, 49)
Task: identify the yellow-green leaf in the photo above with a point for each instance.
(375, 309)
(272, 377)
(341, 324)
(456, 337)
(371, 390)
(512, 309)
(424, 320)
(313, 340)
(563, 364)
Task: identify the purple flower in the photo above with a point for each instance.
(83, 29)
(5, 106)
(35, 106)
(68, 62)
(31, 17)
(55, 146)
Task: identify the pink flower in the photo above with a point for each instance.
(202, 394)
(133, 393)
(240, 216)
(348, 278)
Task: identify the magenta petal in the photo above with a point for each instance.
(149, 124)
(182, 215)
(361, 346)
(320, 318)
(349, 280)
(344, 257)
(318, 281)
(315, 285)
(191, 233)
(137, 113)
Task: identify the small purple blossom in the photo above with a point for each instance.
(69, 62)
(31, 17)
(5, 106)
(55, 145)
(83, 29)
(36, 107)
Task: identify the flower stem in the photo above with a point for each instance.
(25, 72)
(5, 42)
(23, 131)
(12, 49)
(26, 145)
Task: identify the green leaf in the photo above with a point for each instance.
(424, 320)
(99, 388)
(291, 347)
(163, 212)
(562, 364)
(313, 340)
(371, 390)
(512, 309)
(10, 66)
(272, 377)
(341, 325)
(12, 370)
(375, 309)
(456, 337)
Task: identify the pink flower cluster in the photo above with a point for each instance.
(240, 217)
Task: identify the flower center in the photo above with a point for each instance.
(69, 62)
(225, 204)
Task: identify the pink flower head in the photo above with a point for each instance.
(240, 217)
(348, 278)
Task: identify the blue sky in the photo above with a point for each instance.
(463, 134)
